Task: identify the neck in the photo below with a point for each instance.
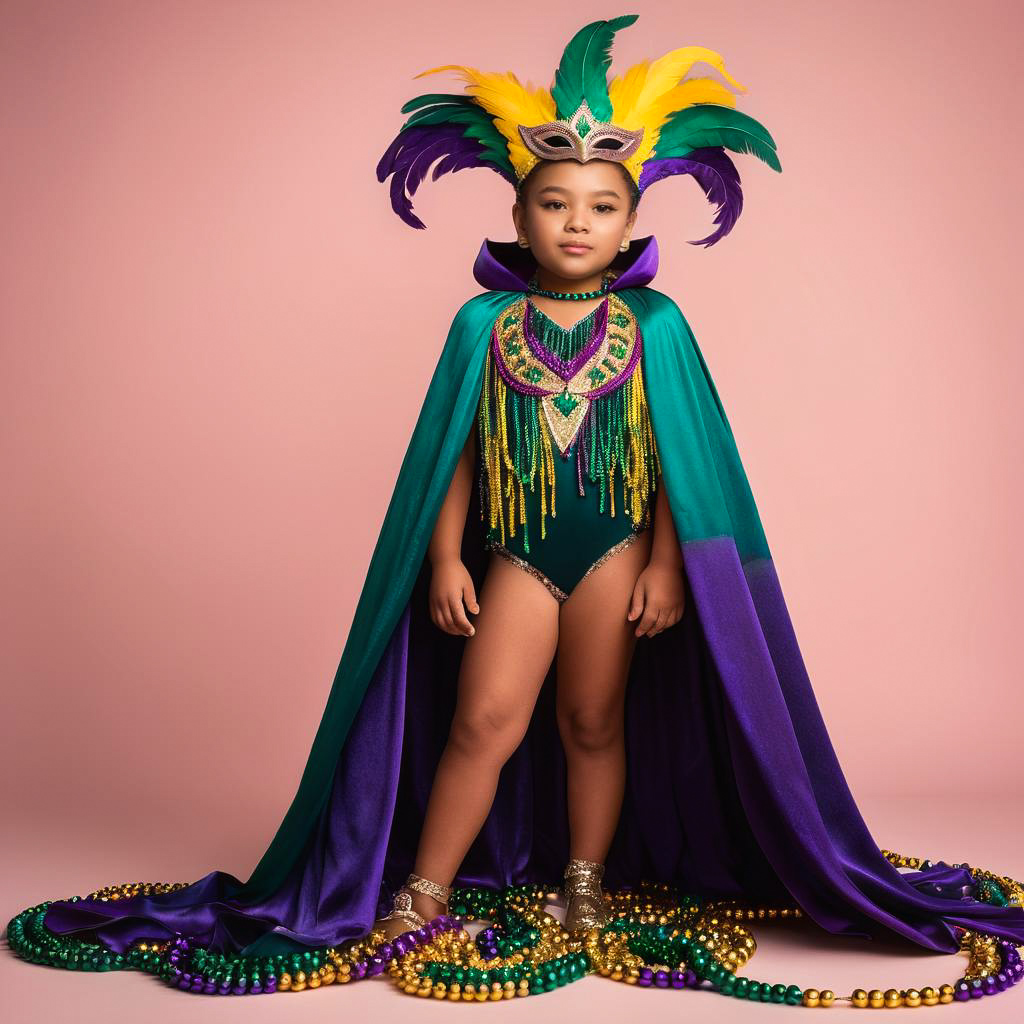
(553, 283)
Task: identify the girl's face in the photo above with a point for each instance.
(575, 216)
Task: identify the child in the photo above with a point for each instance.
(631, 704)
(589, 573)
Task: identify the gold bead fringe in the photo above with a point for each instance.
(522, 454)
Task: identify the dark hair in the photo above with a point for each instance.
(631, 188)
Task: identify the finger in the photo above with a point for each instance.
(446, 617)
(462, 624)
(470, 597)
(660, 624)
(636, 603)
(435, 615)
(650, 617)
(455, 614)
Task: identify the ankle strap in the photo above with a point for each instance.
(418, 883)
(579, 867)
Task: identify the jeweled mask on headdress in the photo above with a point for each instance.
(649, 119)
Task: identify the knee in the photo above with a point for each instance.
(485, 734)
(590, 729)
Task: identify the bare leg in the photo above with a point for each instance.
(595, 647)
(503, 668)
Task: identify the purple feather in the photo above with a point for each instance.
(421, 161)
(717, 176)
(409, 157)
(469, 157)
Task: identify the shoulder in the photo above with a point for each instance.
(648, 301)
(486, 304)
(654, 310)
(480, 312)
(473, 321)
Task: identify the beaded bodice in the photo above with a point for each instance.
(570, 393)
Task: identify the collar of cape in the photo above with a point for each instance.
(505, 266)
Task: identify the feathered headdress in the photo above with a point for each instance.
(648, 119)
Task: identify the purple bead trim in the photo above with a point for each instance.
(525, 388)
(566, 370)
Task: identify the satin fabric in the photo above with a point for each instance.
(733, 786)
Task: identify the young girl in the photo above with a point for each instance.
(596, 578)
(632, 712)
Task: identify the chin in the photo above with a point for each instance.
(578, 267)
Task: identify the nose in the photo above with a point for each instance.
(577, 221)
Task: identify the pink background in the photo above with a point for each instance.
(216, 339)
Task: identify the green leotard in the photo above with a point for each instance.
(583, 532)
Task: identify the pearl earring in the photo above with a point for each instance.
(624, 246)
(524, 242)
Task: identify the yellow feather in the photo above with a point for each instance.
(666, 72)
(623, 91)
(510, 104)
(649, 93)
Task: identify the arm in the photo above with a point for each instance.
(446, 541)
(451, 587)
(665, 544)
(660, 592)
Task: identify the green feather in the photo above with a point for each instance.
(712, 124)
(438, 97)
(583, 71)
(478, 124)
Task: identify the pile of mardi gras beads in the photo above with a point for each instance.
(657, 937)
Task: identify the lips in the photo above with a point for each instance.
(580, 246)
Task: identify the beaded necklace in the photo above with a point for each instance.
(534, 288)
(575, 390)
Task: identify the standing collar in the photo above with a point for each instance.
(505, 266)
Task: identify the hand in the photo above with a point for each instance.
(660, 594)
(450, 585)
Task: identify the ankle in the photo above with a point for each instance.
(427, 907)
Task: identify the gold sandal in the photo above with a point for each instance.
(403, 899)
(585, 906)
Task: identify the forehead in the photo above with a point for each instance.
(584, 179)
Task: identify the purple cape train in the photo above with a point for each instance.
(733, 787)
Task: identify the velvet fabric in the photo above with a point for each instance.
(733, 787)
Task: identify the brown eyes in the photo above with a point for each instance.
(553, 202)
